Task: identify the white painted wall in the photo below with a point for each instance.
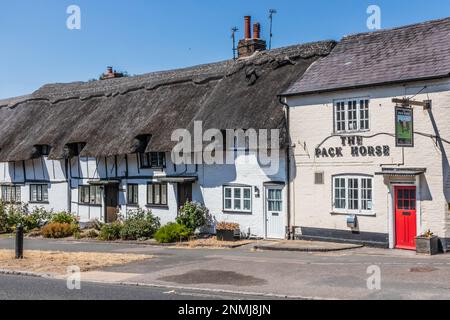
(207, 190)
(312, 122)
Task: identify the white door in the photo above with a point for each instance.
(275, 227)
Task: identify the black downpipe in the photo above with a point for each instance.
(288, 168)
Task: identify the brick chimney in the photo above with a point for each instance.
(110, 74)
(250, 45)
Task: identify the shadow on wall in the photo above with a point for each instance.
(445, 164)
(425, 193)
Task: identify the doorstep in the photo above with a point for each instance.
(304, 246)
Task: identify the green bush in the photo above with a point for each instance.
(3, 217)
(13, 214)
(35, 219)
(58, 230)
(139, 225)
(64, 217)
(193, 215)
(111, 231)
(173, 232)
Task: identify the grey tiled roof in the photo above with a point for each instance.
(420, 51)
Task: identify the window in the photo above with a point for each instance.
(10, 194)
(157, 194)
(90, 195)
(133, 194)
(39, 193)
(353, 194)
(351, 115)
(237, 199)
(153, 160)
(274, 200)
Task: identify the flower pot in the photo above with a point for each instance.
(426, 245)
(225, 235)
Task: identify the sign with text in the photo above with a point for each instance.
(357, 149)
(404, 127)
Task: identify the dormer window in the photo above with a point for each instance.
(351, 115)
(153, 160)
(73, 149)
(41, 150)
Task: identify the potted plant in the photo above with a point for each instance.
(427, 243)
(226, 230)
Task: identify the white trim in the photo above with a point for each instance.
(345, 210)
(346, 114)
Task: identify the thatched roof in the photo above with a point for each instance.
(108, 115)
(410, 53)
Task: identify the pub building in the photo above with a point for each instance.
(370, 137)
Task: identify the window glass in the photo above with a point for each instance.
(353, 194)
(351, 115)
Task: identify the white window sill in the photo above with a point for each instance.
(363, 214)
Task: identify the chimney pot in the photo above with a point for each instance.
(257, 31)
(248, 27)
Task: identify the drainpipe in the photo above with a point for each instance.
(288, 169)
(69, 185)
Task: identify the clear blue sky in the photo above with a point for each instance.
(140, 36)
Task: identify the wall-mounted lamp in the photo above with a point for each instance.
(257, 192)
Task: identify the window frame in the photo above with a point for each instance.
(146, 161)
(233, 198)
(44, 195)
(362, 202)
(89, 203)
(341, 117)
(161, 194)
(134, 187)
(17, 193)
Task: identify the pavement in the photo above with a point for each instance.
(304, 246)
(360, 273)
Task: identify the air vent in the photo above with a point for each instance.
(319, 178)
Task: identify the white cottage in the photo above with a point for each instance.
(370, 135)
(101, 148)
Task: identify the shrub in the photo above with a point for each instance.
(58, 230)
(139, 225)
(35, 219)
(3, 217)
(193, 215)
(111, 231)
(13, 214)
(173, 232)
(64, 217)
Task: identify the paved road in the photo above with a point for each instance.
(338, 275)
(34, 288)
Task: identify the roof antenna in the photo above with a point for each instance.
(233, 36)
(272, 12)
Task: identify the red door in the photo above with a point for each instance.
(405, 218)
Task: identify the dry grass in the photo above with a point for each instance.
(213, 243)
(57, 262)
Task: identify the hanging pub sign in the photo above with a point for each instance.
(404, 127)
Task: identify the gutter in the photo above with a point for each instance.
(288, 168)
